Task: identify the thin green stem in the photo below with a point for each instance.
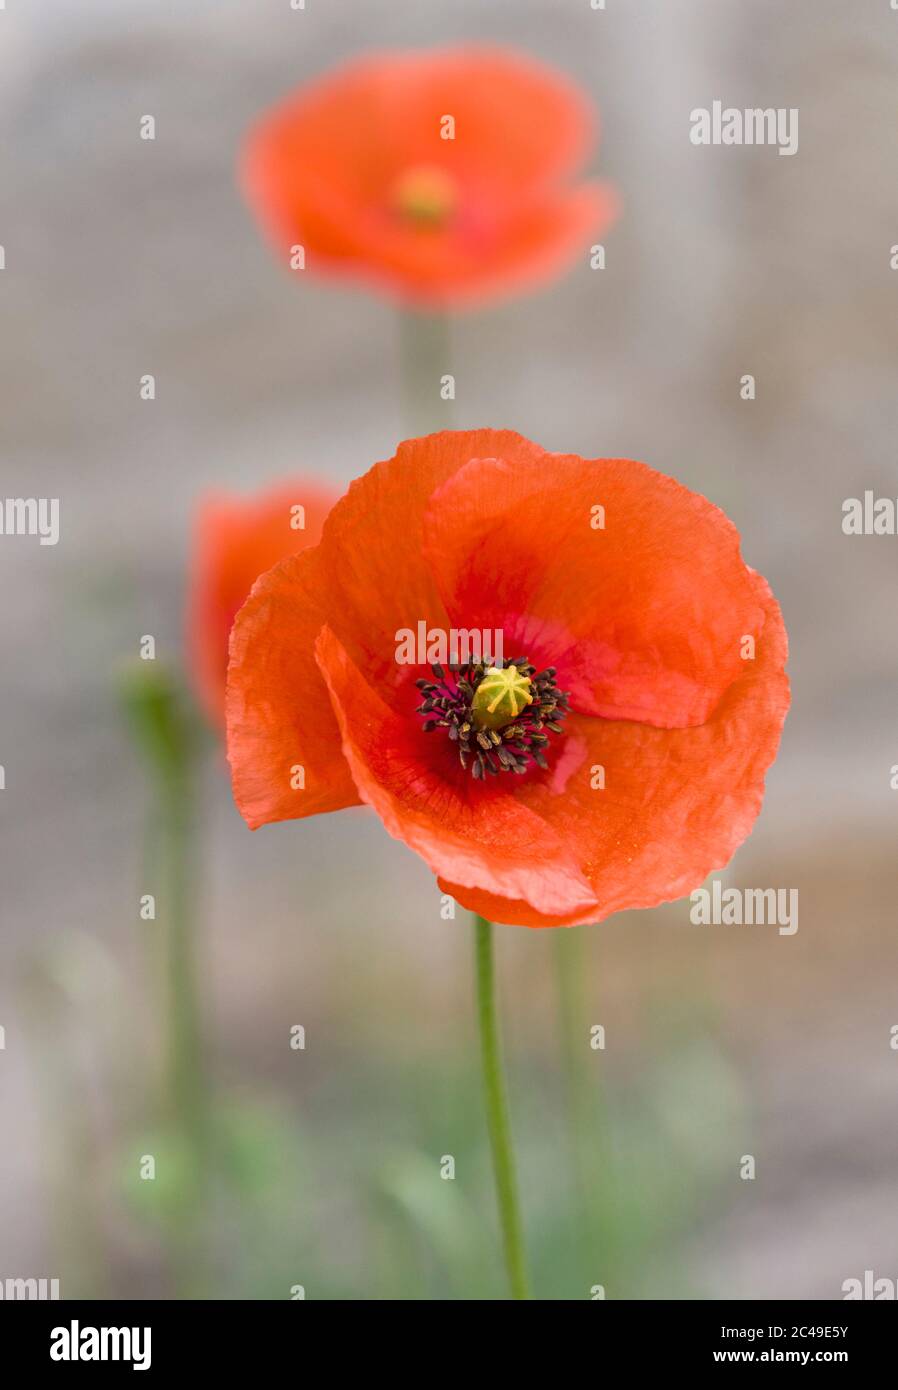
(570, 965)
(596, 1212)
(186, 1080)
(497, 1111)
(568, 948)
(425, 359)
(186, 1087)
(169, 738)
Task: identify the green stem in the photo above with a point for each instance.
(170, 740)
(186, 1081)
(185, 1073)
(570, 966)
(497, 1110)
(597, 1232)
(425, 358)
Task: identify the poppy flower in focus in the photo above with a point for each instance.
(235, 540)
(445, 178)
(612, 759)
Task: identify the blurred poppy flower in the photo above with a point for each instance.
(235, 540)
(443, 177)
(614, 760)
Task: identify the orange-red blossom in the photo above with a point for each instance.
(235, 540)
(655, 666)
(446, 178)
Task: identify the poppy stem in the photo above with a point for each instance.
(425, 363)
(166, 733)
(497, 1114)
(186, 1079)
(571, 967)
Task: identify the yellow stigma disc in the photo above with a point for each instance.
(425, 194)
(500, 697)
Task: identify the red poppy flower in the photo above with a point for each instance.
(644, 708)
(358, 170)
(237, 539)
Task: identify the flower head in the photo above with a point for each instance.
(620, 754)
(442, 177)
(235, 540)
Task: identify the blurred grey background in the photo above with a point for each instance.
(125, 257)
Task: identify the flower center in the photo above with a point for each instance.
(501, 695)
(426, 195)
(499, 718)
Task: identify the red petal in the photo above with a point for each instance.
(235, 540)
(644, 619)
(476, 833)
(278, 712)
(375, 580)
(676, 803)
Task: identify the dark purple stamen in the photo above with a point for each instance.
(519, 744)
